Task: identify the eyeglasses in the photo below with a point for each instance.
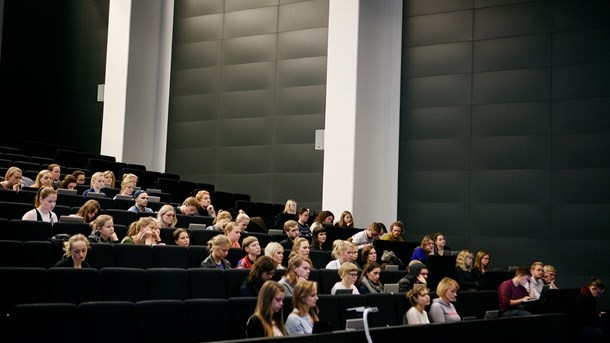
(353, 274)
(169, 215)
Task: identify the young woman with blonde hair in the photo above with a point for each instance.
(304, 309)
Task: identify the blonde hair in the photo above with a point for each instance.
(460, 260)
(217, 242)
(163, 210)
(222, 214)
(39, 177)
(70, 243)
(346, 268)
(302, 290)
(200, 194)
(444, 285)
(136, 226)
(99, 222)
(97, 175)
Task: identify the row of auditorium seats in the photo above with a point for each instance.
(46, 253)
(30, 284)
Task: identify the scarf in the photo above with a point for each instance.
(372, 287)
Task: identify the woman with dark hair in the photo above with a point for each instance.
(369, 279)
(268, 317)
(89, 211)
(323, 218)
(318, 239)
(69, 182)
(262, 271)
(346, 220)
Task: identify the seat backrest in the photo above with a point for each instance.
(168, 283)
(124, 284)
(170, 256)
(28, 230)
(133, 256)
(41, 254)
(161, 321)
(24, 285)
(73, 285)
(240, 310)
(101, 255)
(328, 278)
(207, 283)
(203, 324)
(234, 278)
(40, 322)
(119, 311)
(15, 210)
(122, 217)
(11, 253)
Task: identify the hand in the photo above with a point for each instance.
(210, 209)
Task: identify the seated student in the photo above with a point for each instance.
(289, 212)
(69, 182)
(220, 221)
(367, 236)
(323, 218)
(349, 275)
(44, 203)
(318, 239)
(43, 179)
(181, 237)
(300, 247)
(368, 255)
(419, 297)
(481, 264)
(242, 220)
(304, 309)
(549, 276)
(440, 249)
(276, 251)
(342, 252)
(262, 271)
(75, 252)
(166, 217)
(188, 207)
(102, 230)
(291, 229)
(109, 179)
(463, 267)
(346, 220)
(425, 249)
(591, 323)
(144, 231)
(252, 248)
(141, 201)
(218, 246)
(299, 268)
(369, 279)
(80, 176)
(128, 185)
(205, 207)
(536, 282)
(233, 231)
(395, 234)
(12, 179)
(88, 211)
(512, 294)
(268, 317)
(302, 222)
(417, 273)
(97, 183)
(55, 170)
(442, 309)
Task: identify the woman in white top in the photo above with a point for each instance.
(349, 275)
(419, 297)
(343, 252)
(45, 201)
(305, 311)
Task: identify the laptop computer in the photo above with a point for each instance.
(392, 267)
(275, 232)
(154, 198)
(95, 195)
(67, 191)
(343, 291)
(354, 324)
(391, 288)
(123, 197)
(197, 226)
(492, 314)
(71, 219)
(152, 190)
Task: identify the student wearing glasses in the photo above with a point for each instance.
(167, 217)
(349, 275)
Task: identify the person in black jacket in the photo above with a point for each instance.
(417, 273)
(76, 249)
(262, 270)
(268, 317)
(591, 324)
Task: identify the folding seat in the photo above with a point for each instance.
(438, 268)
(69, 158)
(133, 256)
(70, 200)
(15, 210)
(101, 255)
(122, 204)
(266, 211)
(161, 321)
(247, 206)
(149, 179)
(170, 186)
(42, 322)
(329, 310)
(223, 201)
(389, 307)
(41, 254)
(170, 256)
(197, 253)
(124, 284)
(185, 189)
(320, 258)
(29, 230)
(328, 278)
(200, 186)
(347, 301)
(146, 214)
(207, 283)
(111, 192)
(120, 230)
(106, 202)
(168, 283)
(62, 210)
(11, 253)
(43, 161)
(234, 255)
(122, 217)
(5, 195)
(98, 165)
(115, 311)
(22, 285)
(4, 163)
(201, 237)
(240, 310)
(241, 196)
(208, 319)
(234, 278)
(71, 285)
(24, 164)
(391, 276)
(167, 235)
(71, 228)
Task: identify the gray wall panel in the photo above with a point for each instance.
(198, 29)
(301, 100)
(197, 55)
(489, 3)
(432, 59)
(190, 135)
(511, 86)
(511, 186)
(302, 187)
(517, 118)
(299, 158)
(419, 7)
(433, 91)
(195, 107)
(437, 28)
(583, 46)
(581, 151)
(236, 5)
(201, 161)
(248, 104)
(250, 22)
(197, 8)
(241, 77)
(245, 132)
(302, 43)
(581, 186)
(196, 81)
(581, 115)
(427, 218)
(436, 122)
(435, 154)
(301, 72)
(297, 129)
(303, 15)
(512, 53)
(513, 220)
(249, 49)
(516, 152)
(244, 160)
(255, 183)
(443, 186)
(570, 221)
(574, 15)
(581, 81)
(512, 20)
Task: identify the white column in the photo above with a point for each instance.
(362, 109)
(138, 62)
